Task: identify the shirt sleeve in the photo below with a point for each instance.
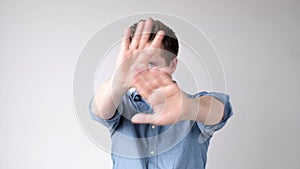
(111, 123)
(207, 131)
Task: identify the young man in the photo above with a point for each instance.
(153, 123)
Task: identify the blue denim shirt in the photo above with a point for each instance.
(182, 145)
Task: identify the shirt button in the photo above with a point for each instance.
(153, 126)
(151, 152)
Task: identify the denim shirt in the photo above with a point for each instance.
(182, 145)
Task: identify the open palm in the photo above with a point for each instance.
(163, 94)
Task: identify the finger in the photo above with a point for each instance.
(144, 89)
(157, 41)
(163, 95)
(142, 83)
(139, 76)
(166, 70)
(147, 81)
(170, 91)
(146, 33)
(143, 118)
(161, 76)
(137, 35)
(151, 78)
(155, 81)
(126, 40)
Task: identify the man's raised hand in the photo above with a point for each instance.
(134, 55)
(163, 94)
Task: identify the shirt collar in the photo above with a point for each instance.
(134, 94)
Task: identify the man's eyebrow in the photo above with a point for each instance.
(153, 61)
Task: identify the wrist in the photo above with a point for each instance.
(117, 85)
(190, 108)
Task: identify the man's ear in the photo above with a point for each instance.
(173, 65)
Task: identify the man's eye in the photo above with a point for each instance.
(152, 64)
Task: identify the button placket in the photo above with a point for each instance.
(153, 145)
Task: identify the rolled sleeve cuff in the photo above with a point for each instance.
(207, 131)
(109, 123)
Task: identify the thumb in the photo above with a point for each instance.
(142, 118)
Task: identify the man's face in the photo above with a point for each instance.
(158, 61)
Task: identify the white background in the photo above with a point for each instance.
(40, 42)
